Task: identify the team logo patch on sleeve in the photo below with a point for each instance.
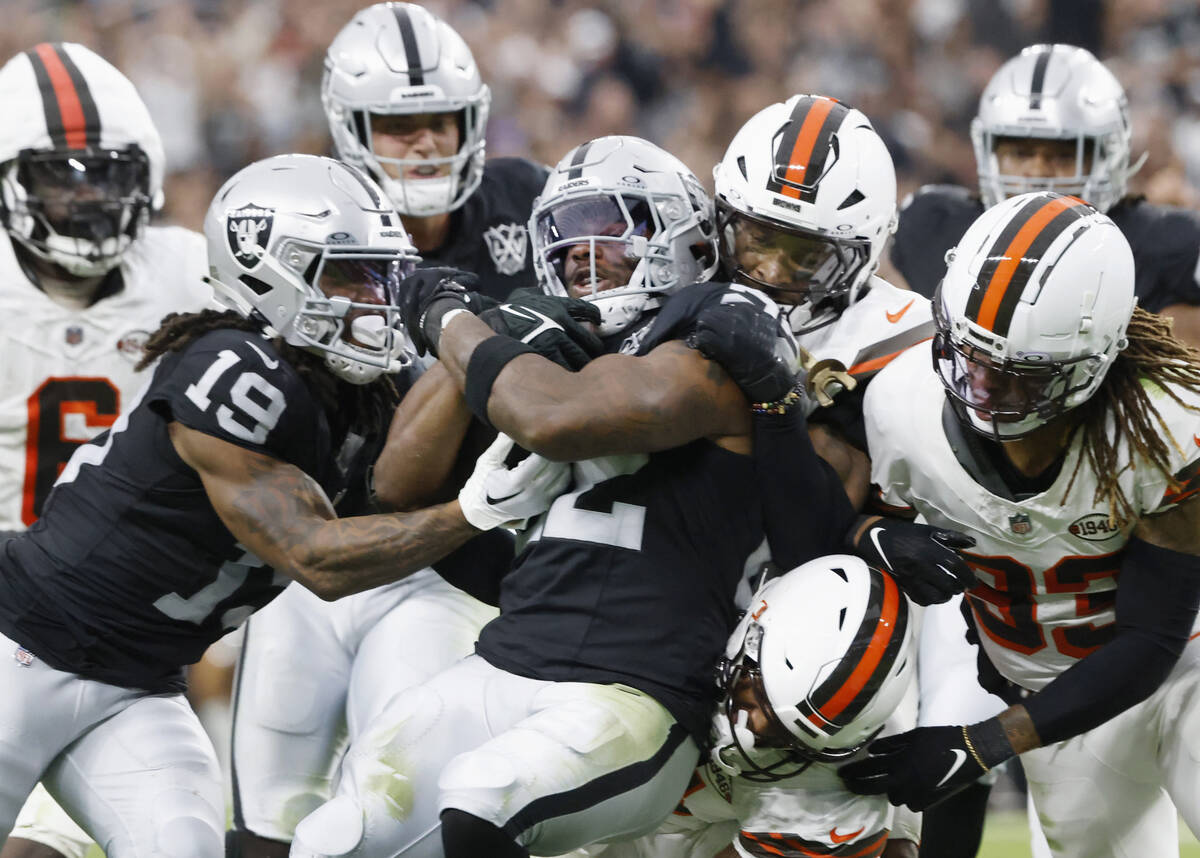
(249, 230)
(508, 245)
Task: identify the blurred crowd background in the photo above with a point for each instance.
(229, 81)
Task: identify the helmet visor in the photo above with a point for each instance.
(363, 279)
(794, 265)
(89, 193)
(590, 243)
(1004, 391)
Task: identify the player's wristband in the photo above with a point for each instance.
(486, 362)
(783, 405)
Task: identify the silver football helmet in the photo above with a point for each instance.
(1032, 312)
(806, 198)
(1056, 92)
(621, 223)
(825, 654)
(312, 247)
(398, 58)
(81, 163)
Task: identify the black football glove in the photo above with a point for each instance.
(557, 328)
(428, 294)
(924, 560)
(755, 347)
(923, 766)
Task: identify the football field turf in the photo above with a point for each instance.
(1007, 836)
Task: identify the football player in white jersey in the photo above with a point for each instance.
(1060, 427)
(83, 282)
(830, 635)
(806, 198)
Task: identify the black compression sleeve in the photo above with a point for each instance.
(1157, 600)
(805, 509)
(480, 565)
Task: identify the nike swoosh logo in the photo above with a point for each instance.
(842, 838)
(1196, 438)
(547, 324)
(875, 531)
(895, 317)
(960, 757)
(492, 500)
(271, 364)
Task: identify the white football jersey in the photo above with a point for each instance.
(1047, 566)
(66, 373)
(873, 330)
(809, 814)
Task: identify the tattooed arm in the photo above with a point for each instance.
(615, 404)
(281, 514)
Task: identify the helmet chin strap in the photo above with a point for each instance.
(733, 740)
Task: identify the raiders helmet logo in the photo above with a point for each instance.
(249, 229)
(508, 245)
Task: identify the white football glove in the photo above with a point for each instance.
(498, 496)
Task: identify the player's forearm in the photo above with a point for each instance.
(423, 442)
(532, 400)
(345, 556)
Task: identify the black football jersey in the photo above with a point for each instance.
(630, 578)
(1165, 243)
(130, 573)
(489, 234)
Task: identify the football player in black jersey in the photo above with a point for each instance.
(405, 102)
(579, 717)
(210, 491)
(1054, 118)
(1051, 118)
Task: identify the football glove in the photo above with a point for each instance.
(428, 294)
(502, 492)
(751, 343)
(924, 560)
(556, 327)
(923, 766)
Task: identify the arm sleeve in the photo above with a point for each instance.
(478, 567)
(805, 509)
(1157, 600)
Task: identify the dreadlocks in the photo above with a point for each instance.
(1153, 361)
(367, 406)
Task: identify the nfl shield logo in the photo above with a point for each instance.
(508, 245)
(1020, 523)
(249, 229)
(74, 335)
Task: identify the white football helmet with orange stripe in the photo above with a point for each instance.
(81, 163)
(1032, 311)
(806, 197)
(398, 58)
(822, 659)
(1056, 92)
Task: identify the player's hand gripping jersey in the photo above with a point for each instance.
(142, 575)
(1039, 615)
(67, 373)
